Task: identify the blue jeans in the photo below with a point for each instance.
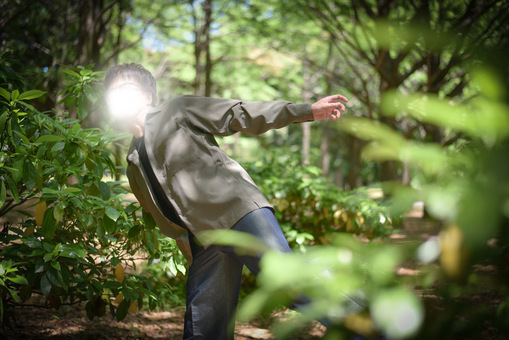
(214, 278)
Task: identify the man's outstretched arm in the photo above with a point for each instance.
(223, 117)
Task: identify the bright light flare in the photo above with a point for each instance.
(125, 101)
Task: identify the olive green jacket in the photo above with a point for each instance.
(207, 188)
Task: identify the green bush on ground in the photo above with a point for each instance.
(81, 240)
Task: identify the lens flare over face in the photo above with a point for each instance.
(126, 100)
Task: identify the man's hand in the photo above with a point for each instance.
(329, 107)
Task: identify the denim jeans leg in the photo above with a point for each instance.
(212, 294)
(263, 224)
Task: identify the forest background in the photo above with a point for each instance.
(427, 123)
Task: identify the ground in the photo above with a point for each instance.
(71, 322)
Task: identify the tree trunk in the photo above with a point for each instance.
(354, 151)
(202, 45)
(92, 28)
(306, 127)
(325, 155)
(207, 7)
(389, 79)
(389, 170)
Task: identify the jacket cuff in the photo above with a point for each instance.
(303, 113)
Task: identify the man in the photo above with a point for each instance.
(180, 175)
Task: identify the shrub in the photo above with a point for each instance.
(310, 207)
(81, 240)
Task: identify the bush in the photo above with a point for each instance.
(310, 208)
(80, 241)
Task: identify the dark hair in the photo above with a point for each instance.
(136, 73)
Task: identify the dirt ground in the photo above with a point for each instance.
(71, 322)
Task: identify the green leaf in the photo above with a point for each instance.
(72, 74)
(52, 275)
(111, 284)
(105, 190)
(13, 294)
(29, 175)
(76, 127)
(48, 246)
(17, 172)
(59, 146)
(15, 95)
(13, 187)
(32, 94)
(100, 230)
(58, 213)
(89, 308)
(49, 224)
(25, 293)
(39, 179)
(90, 93)
(122, 309)
(2, 193)
(3, 119)
(14, 126)
(134, 231)
(50, 191)
(73, 251)
(45, 285)
(109, 225)
(48, 257)
(23, 137)
(49, 138)
(18, 279)
(4, 93)
(66, 276)
(56, 265)
(149, 242)
(86, 72)
(150, 223)
(71, 190)
(27, 106)
(112, 213)
(57, 248)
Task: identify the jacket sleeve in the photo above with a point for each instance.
(224, 117)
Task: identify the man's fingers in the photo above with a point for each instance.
(329, 107)
(337, 97)
(335, 105)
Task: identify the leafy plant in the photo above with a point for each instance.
(310, 207)
(80, 240)
(81, 90)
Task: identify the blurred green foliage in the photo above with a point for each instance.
(464, 186)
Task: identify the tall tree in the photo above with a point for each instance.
(415, 63)
(47, 36)
(201, 31)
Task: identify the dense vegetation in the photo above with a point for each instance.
(428, 121)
